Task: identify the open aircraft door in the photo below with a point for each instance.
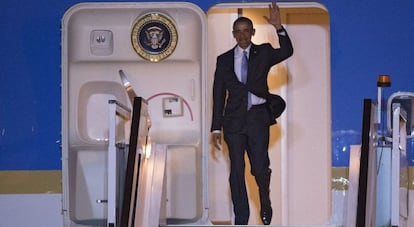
(167, 50)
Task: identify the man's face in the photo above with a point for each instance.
(243, 33)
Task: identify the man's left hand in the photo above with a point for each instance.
(274, 16)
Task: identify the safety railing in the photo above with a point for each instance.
(118, 112)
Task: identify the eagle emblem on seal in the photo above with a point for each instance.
(155, 37)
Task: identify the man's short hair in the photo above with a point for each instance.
(243, 20)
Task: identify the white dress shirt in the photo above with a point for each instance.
(238, 55)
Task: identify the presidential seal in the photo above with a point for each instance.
(154, 37)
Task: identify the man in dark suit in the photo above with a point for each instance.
(239, 109)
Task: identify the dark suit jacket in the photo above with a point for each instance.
(229, 113)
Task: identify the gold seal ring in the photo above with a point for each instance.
(154, 36)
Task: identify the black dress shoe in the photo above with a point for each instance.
(266, 215)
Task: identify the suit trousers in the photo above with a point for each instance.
(253, 139)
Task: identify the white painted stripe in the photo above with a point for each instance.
(18, 210)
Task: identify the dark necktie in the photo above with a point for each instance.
(244, 67)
